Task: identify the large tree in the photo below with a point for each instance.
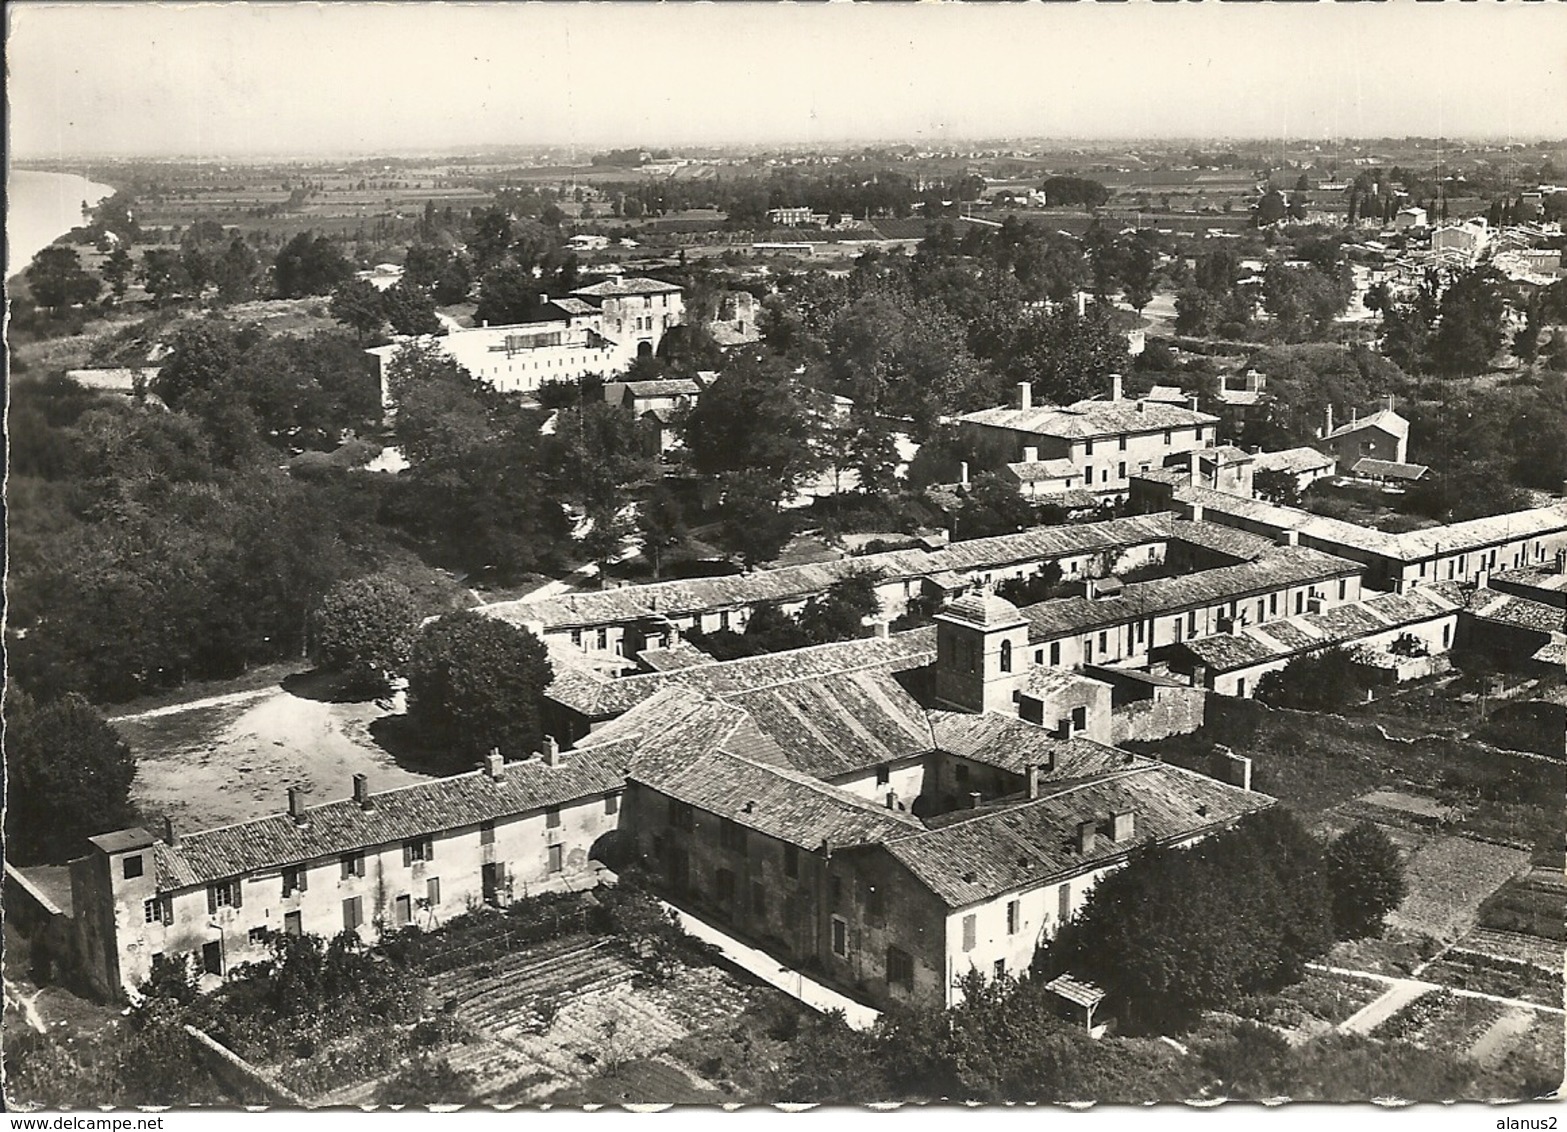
(357, 305)
(364, 628)
(477, 683)
(57, 279)
(68, 777)
(1365, 875)
(759, 420)
(309, 265)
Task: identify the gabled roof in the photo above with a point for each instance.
(1034, 843)
(343, 826)
(1285, 566)
(1387, 469)
(1295, 460)
(983, 610)
(615, 288)
(669, 387)
(1015, 745)
(1087, 419)
(1519, 612)
(1385, 419)
(1035, 471)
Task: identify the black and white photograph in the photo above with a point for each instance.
(597, 556)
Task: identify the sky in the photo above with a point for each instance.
(228, 79)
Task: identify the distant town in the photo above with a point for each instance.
(1021, 621)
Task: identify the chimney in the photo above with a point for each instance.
(543, 298)
(1025, 396)
(892, 799)
(882, 630)
(296, 806)
(1142, 406)
(1196, 512)
(495, 764)
(1199, 676)
(1232, 768)
(551, 751)
(1191, 403)
(170, 838)
(1030, 454)
(1288, 538)
(1064, 727)
(1115, 387)
(1123, 825)
(1036, 777)
(1087, 836)
(362, 792)
(1354, 413)
(1082, 304)
(963, 473)
(484, 324)
(1328, 430)
(973, 799)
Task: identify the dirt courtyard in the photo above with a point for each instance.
(217, 763)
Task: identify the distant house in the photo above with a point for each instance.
(1106, 441)
(1387, 472)
(587, 242)
(1406, 218)
(1384, 435)
(126, 380)
(383, 276)
(1307, 465)
(655, 404)
(789, 217)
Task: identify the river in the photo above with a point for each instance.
(39, 208)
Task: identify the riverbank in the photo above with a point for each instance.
(41, 207)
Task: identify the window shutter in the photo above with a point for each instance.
(238, 889)
(168, 909)
(359, 865)
(212, 899)
(304, 878)
(429, 848)
(408, 854)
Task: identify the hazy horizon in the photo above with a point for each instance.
(300, 80)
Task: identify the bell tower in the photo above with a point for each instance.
(981, 654)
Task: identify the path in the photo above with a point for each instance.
(1377, 976)
(196, 705)
(796, 984)
(1397, 996)
(25, 1003)
(1490, 1047)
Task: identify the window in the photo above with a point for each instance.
(294, 924)
(883, 775)
(1104, 642)
(723, 619)
(557, 858)
(1120, 470)
(1079, 718)
(1343, 588)
(295, 880)
(1447, 636)
(1273, 604)
(968, 932)
(603, 639)
(259, 935)
(1088, 650)
(224, 894)
(1167, 436)
(1300, 601)
(1088, 475)
(835, 890)
(1240, 686)
(791, 861)
(1261, 609)
(152, 911)
(1088, 448)
(758, 900)
(576, 637)
(612, 803)
(1191, 623)
(486, 833)
(724, 882)
(1014, 916)
(432, 892)
(1000, 970)
(1064, 903)
(840, 937)
(1122, 445)
(418, 849)
(1142, 631)
(133, 867)
(1006, 656)
(353, 865)
(552, 818)
(680, 816)
(1055, 652)
(731, 836)
(353, 913)
(900, 968)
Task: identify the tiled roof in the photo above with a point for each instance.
(1387, 469)
(841, 722)
(614, 288)
(1168, 394)
(1295, 460)
(603, 697)
(410, 811)
(574, 306)
(1385, 419)
(1541, 578)
(984, 610)
(681, 654)
(1285, 566)
(776, 802)
(1035, 842)
(1037, 471)
(670, 387)
(791, 583)
(1509, 609)
(1232, 542)
(1015, 745)
(1085, 419)
(1344, 624)
(1411, 546)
